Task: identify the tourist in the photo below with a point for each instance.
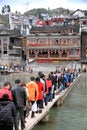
(49, 88)
(40, 95)
(6, 90)
(63, 81)
(19, 99)
(43, 81)
(7, 113)
(55, 80)
(58, 79)
(26, 109)
(53, 84)
(33, 94)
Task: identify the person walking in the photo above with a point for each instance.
(7, 113)
(33, 94)
(40, 95)
(19, 99)
(63, 81)
(53, 85)
(26, 109)
(43, 81)
(49, 88)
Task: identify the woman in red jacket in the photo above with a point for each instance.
(40, 95)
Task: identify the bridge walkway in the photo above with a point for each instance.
(44, 116)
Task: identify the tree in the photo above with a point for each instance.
(67, 11)
(9, 9)
(2, 10)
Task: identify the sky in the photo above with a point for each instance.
(25, 5)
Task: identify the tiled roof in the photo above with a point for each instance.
(11, 33)
(54, 29)
(14, 33)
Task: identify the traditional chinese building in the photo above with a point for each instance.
(10, 47)
(84, 49)
(54, 44)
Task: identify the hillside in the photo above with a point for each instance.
(61, 11)
(37, 12)
(57, 11)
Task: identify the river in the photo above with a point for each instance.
(72, 114)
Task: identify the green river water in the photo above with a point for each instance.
(71, 115)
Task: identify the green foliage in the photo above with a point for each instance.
(58, 11)
(4, 19)
(61, 11)
(6, 9)
(36, 12)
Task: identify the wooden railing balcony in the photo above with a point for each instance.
(32, 55)
(43, 55)
(54, 55)
(74, 56)
(14, 52)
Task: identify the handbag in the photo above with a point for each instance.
(34, 107)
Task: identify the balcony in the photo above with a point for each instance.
(32, 55)
(14, 52)
(74, 56)
(42, 55)
(54, 55)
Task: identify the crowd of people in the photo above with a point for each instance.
(17, 101)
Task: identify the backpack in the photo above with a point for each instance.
(6, 114)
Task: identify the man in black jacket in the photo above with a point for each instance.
(19, 99)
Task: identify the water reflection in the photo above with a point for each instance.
(72, 115)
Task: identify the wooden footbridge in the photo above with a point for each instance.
(60, 96)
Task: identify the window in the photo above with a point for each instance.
(5, 52)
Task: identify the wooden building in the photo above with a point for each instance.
(10, 47)
(84, 49)
(54, 44)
